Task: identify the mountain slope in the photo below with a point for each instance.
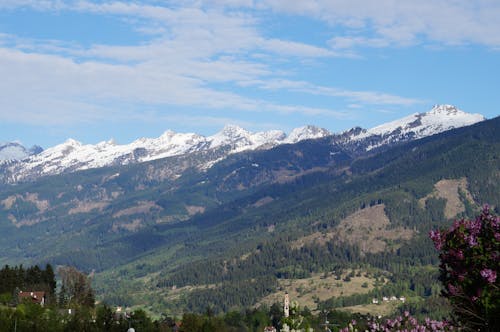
(166, 220)
(72, 155)
(439, 119)
(253, 237)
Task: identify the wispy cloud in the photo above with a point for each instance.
(199, 48)
(193, 55)
(366, 97)
(401, 23)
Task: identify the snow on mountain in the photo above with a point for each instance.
(73, 155)
(440, 118)
(241, 139)
(306, 132)
(13, 151)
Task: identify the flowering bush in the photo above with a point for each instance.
(405, 323)
(469, 269)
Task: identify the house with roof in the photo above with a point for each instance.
(37, 297)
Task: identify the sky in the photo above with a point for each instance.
(100, 70)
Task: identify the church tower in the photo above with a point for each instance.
(286, 306)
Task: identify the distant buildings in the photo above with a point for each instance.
(33, 297)
(387, 299)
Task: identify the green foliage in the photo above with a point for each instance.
(14, 279)
(470, 269)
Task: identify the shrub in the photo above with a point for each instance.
(469, 269)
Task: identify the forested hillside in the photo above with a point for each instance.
(226, 237)
(251, 242)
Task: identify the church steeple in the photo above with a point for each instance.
(286, 306)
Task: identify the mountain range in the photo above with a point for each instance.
(224, 218)
(72, 155)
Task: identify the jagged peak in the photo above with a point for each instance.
(445, 109)
(35, 149)
(306, 132)
(73, 155)
(168, 133)
(72, 142)
(229, 135)
(233, 130)
(110, 142)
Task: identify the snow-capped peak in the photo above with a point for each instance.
(241, 139)
(440, 118)
(230, 135)
(306, 132)
(73, 155)
(445, 109)
(13, 151)
(71, 142)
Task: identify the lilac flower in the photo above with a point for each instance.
(496, 222)
(472, 240)
(475, 226)
(407, 323)
(452, 289)
(436, 237)
(489, 275)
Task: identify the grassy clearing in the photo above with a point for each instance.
(368, 228)
(381, 309)
(449, 190)
(309, 291)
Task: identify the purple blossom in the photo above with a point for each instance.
(452, 289)
(496, 222)
(489, 275)
(407, 323)
(437, 238)
(475, 226)
(469, 254)
(472, 240)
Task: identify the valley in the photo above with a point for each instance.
(170, 235)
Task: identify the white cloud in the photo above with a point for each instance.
(57, 90)
(192, 51)
(366, 97)
(403, 23)
(297, 49)
(345, 42)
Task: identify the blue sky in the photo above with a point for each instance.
(96, 70)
